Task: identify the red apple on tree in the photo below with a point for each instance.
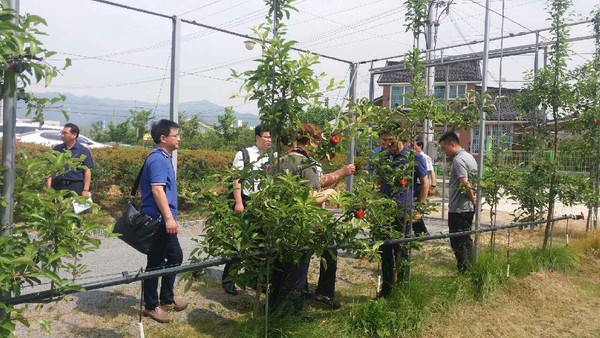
(335, 139)
(360, 214)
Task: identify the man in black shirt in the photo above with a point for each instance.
(77, 180)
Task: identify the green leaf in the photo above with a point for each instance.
(45, 325)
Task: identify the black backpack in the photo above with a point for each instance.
(246, 159)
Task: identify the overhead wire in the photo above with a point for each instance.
(521, 25)
(352, 27)
(346, 34)
(357, 23)
(197, 8)
(163, 82)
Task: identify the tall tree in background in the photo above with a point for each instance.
(226, 126)
(139, 119)
(319, 115)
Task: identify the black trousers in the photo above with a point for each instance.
(395, 259)
(70, 186)
(461, 245)
(327, 273)
(76, 186)
(225, 278)
(166, 253)
(418, 226)
(288, 284)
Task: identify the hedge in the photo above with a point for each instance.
(118, 166)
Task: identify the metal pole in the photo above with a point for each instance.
(484, 69)
(371, 98)
(9, 119)
(445, 166)
(537, 54)
(511, 35)
(351, 146)
(174, 92)
(430, 90)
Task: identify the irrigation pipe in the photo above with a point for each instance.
(140, 276)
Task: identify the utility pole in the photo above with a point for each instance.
(174, 90)
(9, 120)
(352, 145)
(430, 78)
(484, 82)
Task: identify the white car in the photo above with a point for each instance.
(22, 128)
(52, 138)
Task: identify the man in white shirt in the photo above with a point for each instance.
(256, 156)
(418, 147)
(419, 227)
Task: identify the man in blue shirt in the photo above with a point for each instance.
(398, 174)
(159, 201)
(77, 180)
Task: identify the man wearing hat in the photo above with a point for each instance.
(290, 279)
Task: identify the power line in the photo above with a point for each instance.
(163, 82)
(214, 28)
(515, 22)
(351, 27)
(197, 8)
(363, 21)
(316, 43)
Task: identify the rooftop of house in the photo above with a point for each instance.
(467, 71)
(504, 104)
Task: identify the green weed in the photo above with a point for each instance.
(488, 273)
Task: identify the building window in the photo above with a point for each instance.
(500, 134)
(456, 91)
(399, 95)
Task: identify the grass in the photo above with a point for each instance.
(413, 309)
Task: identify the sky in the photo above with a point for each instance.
(122, 54)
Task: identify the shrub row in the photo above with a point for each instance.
(118, 166)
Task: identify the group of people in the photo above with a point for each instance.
(289, 282)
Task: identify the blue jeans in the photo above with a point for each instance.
(167, 253)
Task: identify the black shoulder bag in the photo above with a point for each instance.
(246, 159)
(136, 229)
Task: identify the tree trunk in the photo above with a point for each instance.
(552, 194)
(588, 223)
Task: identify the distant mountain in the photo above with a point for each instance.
(85, 110)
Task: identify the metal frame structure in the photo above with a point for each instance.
(10, 115)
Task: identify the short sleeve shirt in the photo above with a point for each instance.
(428, 165)
(158, 170)
(463, 165)
(77, 151)
(257, 161)
(307, 168)
(387, 188)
